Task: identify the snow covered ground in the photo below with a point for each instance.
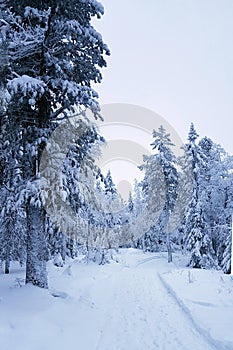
(140, 302)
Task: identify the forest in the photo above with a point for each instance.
(55, 201)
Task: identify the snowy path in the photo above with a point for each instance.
(140, 314)
(121, 306)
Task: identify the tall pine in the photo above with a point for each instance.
(54, 54)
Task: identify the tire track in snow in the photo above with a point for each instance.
(203, 333)
(164, 318)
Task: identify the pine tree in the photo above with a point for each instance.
(54, 54)
(12, 216)
(158, 166)
(199, 242)
(198, 222)
(191, 157)
(138, 199)
(130, 203)
(220, 200)
(110, 189)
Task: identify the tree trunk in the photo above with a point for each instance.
(7, 265)
(36, 247)
(63, 248)
(164, 226)
(8, 248)
(169, 249)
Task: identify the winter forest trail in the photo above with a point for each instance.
(118, 306)
(140, 314)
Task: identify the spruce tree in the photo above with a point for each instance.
(197, 226)
(54, 54)
(160, 186)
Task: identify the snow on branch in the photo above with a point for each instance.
(27, 86)
(99, 9)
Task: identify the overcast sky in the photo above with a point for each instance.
(174, 57)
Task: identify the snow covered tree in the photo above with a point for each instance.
(54, 54)
(138, 202)
(161, 164)
(221, 207)
(206, 221)
(12, 227)
(206, 227)
(199, 242)
(130, 203)
(109, 187)
(154, 197)
(79, 177)
(196, 227)
(191, 157)
(227, 255)
(12, 217)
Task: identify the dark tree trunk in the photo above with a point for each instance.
(36, 247)
(7, 265)
(8, 248)
(169, 248)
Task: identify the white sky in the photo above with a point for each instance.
(174, 57)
